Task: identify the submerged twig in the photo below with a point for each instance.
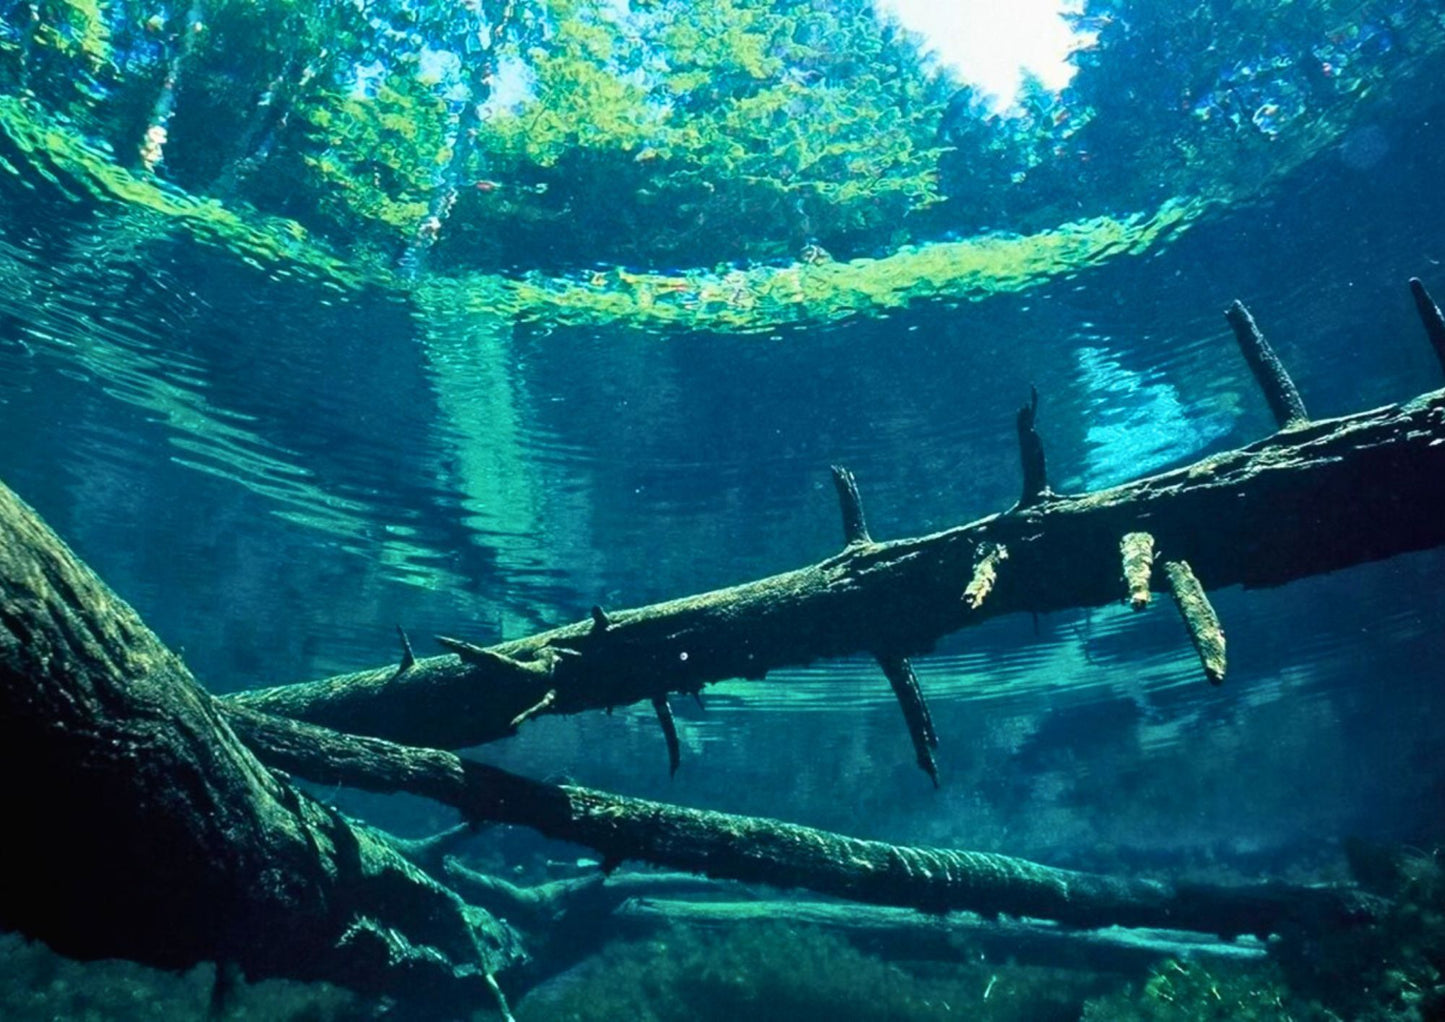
(915, 711)
(669, 733)
(540, 706)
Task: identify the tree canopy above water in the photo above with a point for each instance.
(563, 136)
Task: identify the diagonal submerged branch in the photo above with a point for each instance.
(753, 849)
(1322, 496)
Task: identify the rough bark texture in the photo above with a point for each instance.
(601, 908)
(1322, 496)
(139, 826)
(894, 933)
(752, 849)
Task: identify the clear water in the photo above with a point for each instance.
(275, 473)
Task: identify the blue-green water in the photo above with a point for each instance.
(275, 472)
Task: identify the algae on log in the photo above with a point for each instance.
(139, 826)
(1320, 496)
(753, 849)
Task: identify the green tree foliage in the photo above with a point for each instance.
(555, 135)
(693, 132)
(56, 50)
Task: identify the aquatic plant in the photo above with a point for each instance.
(39, 985)
(1392, 970)
(774, 971)
(1188, 992)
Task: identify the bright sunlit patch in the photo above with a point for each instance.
(991, 43)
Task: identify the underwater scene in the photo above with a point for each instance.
(714, 509)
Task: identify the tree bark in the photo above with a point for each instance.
(894, 933)
(599, 908)
(141, 827)
(757, 850)
(1315, 498)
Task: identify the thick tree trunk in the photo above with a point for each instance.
(1308, 500)
(139, 826)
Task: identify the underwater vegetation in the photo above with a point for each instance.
(776, 972)
(38, 985)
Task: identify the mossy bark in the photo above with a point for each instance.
(139, 826)
(754, 849)
(1315, 498)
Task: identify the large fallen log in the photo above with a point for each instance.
(757, 850)
(138, 826)
(153, 834)
(1313, 498)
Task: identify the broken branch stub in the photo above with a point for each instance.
(1431, 317)
(669, 733)
(1137, 550)
(855, 527)
(1269, 372)
(915, 711)
(1199, 618)
(985, 574)
(1031, 453)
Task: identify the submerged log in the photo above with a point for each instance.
(1321, 496)
(758, 850)
(900, 934)
(139, 826)
(599, 908)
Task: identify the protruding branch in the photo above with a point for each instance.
(540, 706)
(1269, 372)
(1431, 317)
(1137, 549)
(669, 733)
(985, 573)
(474, 654)
(1199, 618)
(600, 621)
(500, 997)
(915, 711)
(1031, 453)
(408, 658)
(1370, 474)
(855, 529)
